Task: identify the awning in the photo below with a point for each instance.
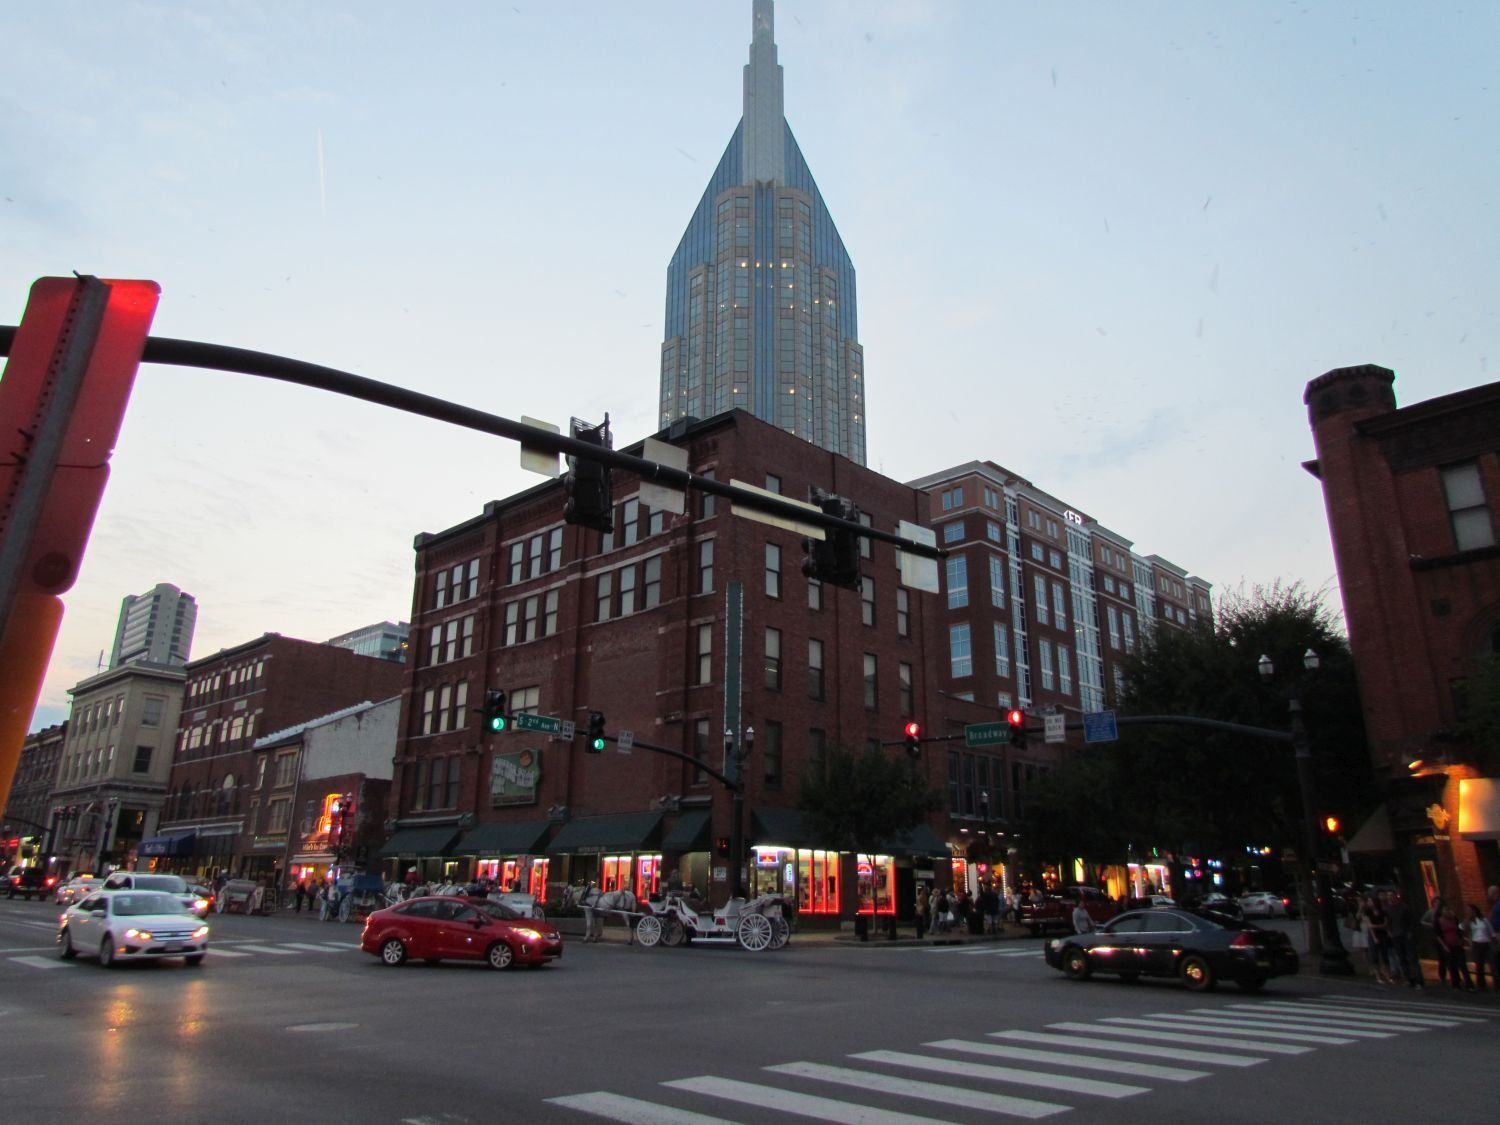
(921, 840)
(589, 835)
(1479, 808)
(168, 843)
(689, 834)
(502, 837)
(1374, 835)
(419, 842)
(780, 827)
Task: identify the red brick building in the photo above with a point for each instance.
(1411, 501)
(229, 804)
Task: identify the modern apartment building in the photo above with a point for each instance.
(156, 626)
(1411, 496)
(386, 640)
(761, 309)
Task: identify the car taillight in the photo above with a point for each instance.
(1242, 939)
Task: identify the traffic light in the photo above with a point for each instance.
(495, 718)
(914, 739)
(1016, 719)
(590, 502)
(596, 732)
(1331, 824)
(835, 558)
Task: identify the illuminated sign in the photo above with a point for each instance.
(514, 777)
(1073, 517)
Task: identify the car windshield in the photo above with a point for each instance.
(133, 905)
(500, 910)
(172, 884)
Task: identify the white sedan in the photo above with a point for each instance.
(74, 889)
(1262, 904)
(131, 925)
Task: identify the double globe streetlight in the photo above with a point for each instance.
(1322, 939)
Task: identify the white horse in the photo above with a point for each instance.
(596, 904)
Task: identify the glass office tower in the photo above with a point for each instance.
(760, 293)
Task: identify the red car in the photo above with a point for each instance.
(445, 927)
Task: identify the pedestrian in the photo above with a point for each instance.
(1378, 935)
(1481, 941)
(1404, 963)
(301, 894)
(1494, 897)
(1451, 944)
(923, 906)
(989, 906)
(1082, 923)
(1430, 927)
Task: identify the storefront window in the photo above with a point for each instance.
(639, 874)
(817, 882)
(877, 879)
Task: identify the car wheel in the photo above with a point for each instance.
(193, 959)
(1075, 964)
(1252, 984)
(67, 952)
(107, 952)
(392, 952)
(500, 955)
(1197, 973)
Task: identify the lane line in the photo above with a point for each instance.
(926, 1091)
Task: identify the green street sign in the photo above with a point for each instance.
(986, 734)
(546, 724)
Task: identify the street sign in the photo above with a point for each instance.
(662, 497)
(569, 729)
(810, 530)
(1099, 726)
(986, 734)
(917, 572)
(624, 741)
(535, 460)
(543, 723)
(1057, 728)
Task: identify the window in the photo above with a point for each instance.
(770, 748)
(627, 591)
(1112, 615)
(814, 594)
(1467, 511)
(512, 623)
(992, 531)
(534, 551)
(958, 582)
(142, 762)
(960, 651)
(286, 769)
(656, 520)
(706, 567)
(1044, 659)
(773, 659)
(440, 592)
(773, 571)
(815, 668)
(1054, 560)
(554, 549)
(953, 532)
(445, 705)
(1037, 553)
(706, 511)
(632, 522)
(904, 688)
(1039, 605)
(280, 818)
(529, 618)
(867, 601)
(817, 751)
(866, 544)
(872, 686)
(705, 654)
(604, 596)
(1129, 632)
(460, 704)
(1052, 528)
(549, 613)
(1059, 606)
(455, 767)
(700, 750)
(1002, 650)
(435, 779)
(1064, 671)
(903, 612)
(651, 589)
(1033, 520)
(997, 582)
(773, 483)
(151, 711)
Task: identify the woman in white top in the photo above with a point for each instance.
(1480, 935)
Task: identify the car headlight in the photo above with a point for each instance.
(138, 935)
(200, 932)
(527, 935)
(1055, 944)
(200, 906)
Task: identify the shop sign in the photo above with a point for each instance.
(515, 777)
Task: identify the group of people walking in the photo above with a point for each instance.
(943, 911)
(1384, 928)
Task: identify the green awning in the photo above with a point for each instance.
(624, 832)
(921, 840)
(502, 837)
(689, 834)
(781, 828)
(417, 843)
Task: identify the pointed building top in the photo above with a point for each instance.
(763, 118)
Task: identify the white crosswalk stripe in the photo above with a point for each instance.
(978, 951)
(1233, 1035)
(43, 962)
(216, 950)
(1434, 1008)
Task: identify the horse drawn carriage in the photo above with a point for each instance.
(761, 923)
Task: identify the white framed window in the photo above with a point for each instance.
(1044, 663)
(997, 581)
(960, 651)
(1064, 670)
(1467, 511)
(1002, 650)
(958, 581)
(1039, 603)
(1059, 606)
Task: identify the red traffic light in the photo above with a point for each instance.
(913, 730)
(1016, 718)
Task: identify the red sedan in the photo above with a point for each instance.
(445, 927)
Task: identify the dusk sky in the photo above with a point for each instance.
(1104, 245)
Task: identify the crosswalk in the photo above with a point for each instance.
(226, 950)
(977, 949)
(1031, 1074)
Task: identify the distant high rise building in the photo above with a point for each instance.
(387, 640)
(157, 626)
(760, 294)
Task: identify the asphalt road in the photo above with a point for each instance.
(289, 1022)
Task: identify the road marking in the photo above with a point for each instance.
(768, 1099)
(1290, 1032)
(1371, 1018)
(963, 1068)
(1081, 1062)
(926, 1091)
(1175, 1037)
(43, 962)
(312, 948)
(1176, 1054)
(1318, 1025)
(219, 951)
(268, 949)
(26, 949)
(633, 1111)
(1435, 1007)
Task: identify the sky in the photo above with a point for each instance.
(1103, 245)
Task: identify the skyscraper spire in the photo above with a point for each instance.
(765, 141)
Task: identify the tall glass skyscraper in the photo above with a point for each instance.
(760, 293)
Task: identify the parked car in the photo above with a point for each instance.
(1149, 902)
(205, 898)
(1197, 949)
(1220, 904)
(29, 882)
(1263, 904)
(1056, 911)
(75, 888)
(174, 885)
(436, 928)
(132, 926)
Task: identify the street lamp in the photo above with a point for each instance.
(734, 768)
(1323, 937)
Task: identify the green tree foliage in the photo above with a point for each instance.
(864, 803)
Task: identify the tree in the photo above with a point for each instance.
(864, 803)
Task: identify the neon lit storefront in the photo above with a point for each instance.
(811, 877)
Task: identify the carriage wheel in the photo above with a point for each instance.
(648, 930)
(673, 932)
(781, 932)
(755, 932)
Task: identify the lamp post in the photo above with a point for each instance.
(1323, 930)
(734, 767)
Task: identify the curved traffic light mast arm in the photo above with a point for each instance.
(219, 357)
